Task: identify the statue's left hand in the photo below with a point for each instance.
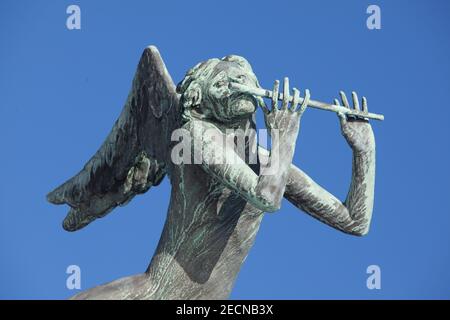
(357, 131)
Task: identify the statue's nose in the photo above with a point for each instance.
(240, 81)
(231, 83)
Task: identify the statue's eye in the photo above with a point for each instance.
(242, 77)
(220, 83)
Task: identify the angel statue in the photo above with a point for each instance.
(216, 207)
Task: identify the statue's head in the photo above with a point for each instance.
(205, 91)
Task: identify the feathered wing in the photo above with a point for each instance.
(134, 155)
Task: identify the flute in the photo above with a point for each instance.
(312, 103)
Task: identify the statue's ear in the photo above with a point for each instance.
(193, 95)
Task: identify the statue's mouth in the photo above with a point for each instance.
(239, 97)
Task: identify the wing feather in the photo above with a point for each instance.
(136, 152)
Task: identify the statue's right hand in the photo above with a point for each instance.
(287, 118)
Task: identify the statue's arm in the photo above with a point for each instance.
(352, 216)
(264, 190)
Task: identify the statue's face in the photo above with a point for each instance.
(226, 104)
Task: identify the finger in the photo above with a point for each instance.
(344, 99)
(342, 116)
(295, 100)
(263, 105)
(276, 87)
(364, 105)
(342, 119)
(355, 101)
(305, 101)
(285, 102)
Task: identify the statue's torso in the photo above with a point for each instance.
(207, 236)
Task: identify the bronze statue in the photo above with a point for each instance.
(218, 199)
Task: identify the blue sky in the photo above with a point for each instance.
(61, 91)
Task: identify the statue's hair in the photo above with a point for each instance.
(197, 77)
